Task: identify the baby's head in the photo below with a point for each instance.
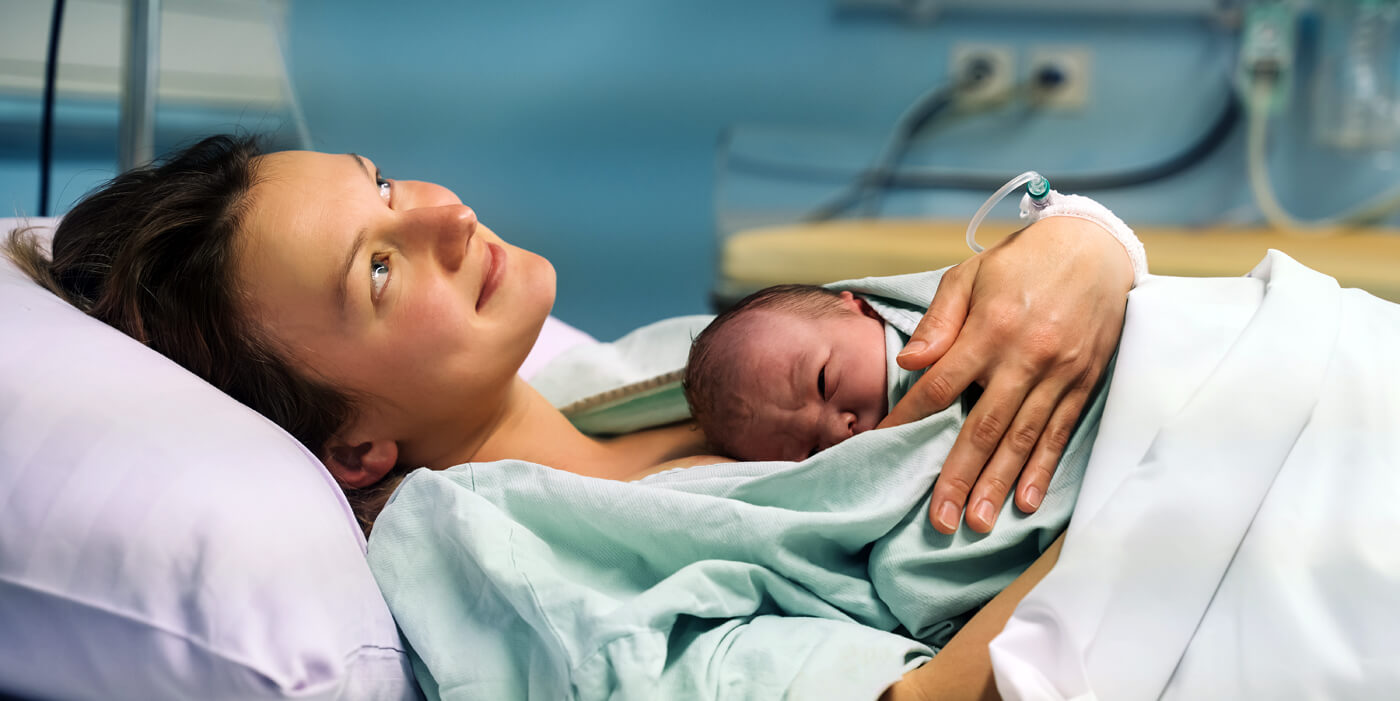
(788, 371)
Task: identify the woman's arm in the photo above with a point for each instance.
(1033, 319)
(963, 669)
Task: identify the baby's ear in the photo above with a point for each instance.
(859, 306)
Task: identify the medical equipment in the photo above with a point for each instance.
(1355, 97)
(737, 161)
(46, 120)
(1037, 187)
(1041, 202)
(932, 104)
(1263, 79)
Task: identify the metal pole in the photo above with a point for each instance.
(138, 108)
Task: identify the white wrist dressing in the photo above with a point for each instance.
(1058, 205)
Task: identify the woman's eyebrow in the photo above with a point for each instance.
(340, 289)
(341, 294)
(360, 161)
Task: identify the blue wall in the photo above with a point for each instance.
(589, 131)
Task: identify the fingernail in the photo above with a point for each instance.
(1033, 497)
(947, 516)
(915, 347)
(985, 513)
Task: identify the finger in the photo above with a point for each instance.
(939, 327)
(1035, 480)
(939, 387)
(980, 435)
(994, 484)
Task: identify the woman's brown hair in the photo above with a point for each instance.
(152, 253)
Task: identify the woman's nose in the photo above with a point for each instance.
(446, 231)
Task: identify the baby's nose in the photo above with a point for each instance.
(840, 426)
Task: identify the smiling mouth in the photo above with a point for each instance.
(495, 269)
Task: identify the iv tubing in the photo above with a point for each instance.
(1038, 188)
(1257, 105)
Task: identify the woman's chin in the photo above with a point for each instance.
(540, 284)
(549, 283)
(537, 303)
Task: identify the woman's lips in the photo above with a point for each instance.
(491, 277)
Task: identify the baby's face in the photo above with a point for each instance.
(807, 383)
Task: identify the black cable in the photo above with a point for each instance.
(46, 121)
(878, 177)
(924, 112)
(1208, 143)
(870, 184)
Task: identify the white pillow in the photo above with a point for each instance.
(160, 540)
(555, 338)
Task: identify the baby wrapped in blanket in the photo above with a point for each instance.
(795, 369)
(818, 578)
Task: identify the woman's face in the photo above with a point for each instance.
(393, 291)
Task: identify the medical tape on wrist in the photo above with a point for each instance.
(1079, 206)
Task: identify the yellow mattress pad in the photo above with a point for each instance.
(850, 248)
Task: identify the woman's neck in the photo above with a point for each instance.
(530, 428)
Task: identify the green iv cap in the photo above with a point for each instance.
(1038, 187)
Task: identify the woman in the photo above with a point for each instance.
(382, 324)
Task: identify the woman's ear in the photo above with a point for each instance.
(361, 465)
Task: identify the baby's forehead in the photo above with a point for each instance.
(774, 335)
(780, 322)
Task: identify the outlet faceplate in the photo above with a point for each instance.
(1074, 67)
(996, 88)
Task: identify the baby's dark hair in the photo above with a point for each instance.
(711, 378)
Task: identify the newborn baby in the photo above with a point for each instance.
(789, 371)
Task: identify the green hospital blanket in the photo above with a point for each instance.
(746, 580)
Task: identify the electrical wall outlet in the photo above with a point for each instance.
(1060, 77)
(996, 63)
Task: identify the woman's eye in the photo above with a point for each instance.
(385, 187)
(378, 275)
(821, 383)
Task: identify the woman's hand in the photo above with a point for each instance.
(1033, 319)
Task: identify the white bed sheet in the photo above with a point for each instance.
(1235, 536)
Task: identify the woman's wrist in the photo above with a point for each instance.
(1078, 250)
(1080, 207)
